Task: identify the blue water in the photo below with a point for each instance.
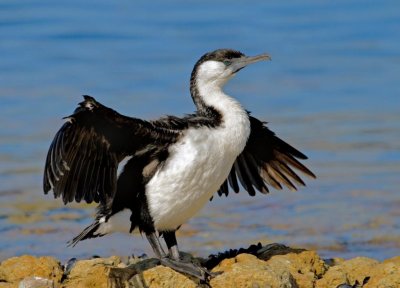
(332, 90)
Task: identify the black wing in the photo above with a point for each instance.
(83, 158)
(266, 159)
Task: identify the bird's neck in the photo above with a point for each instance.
(211, 101)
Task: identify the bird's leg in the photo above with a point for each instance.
(175, 262)
(170, 240)
(155, 244)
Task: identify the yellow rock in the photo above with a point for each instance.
(384, 275)
(285, 267)
(395, 260)
(8, 285)
(350, 271)
(91, 273)
(246, 270)
(358, 268)
(381, 275)
(164, 277)
(15, 269)
(305, 267)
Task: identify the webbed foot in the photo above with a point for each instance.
(188, 268)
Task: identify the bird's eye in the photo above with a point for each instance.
(227, 62)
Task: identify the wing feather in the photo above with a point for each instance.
(280, 177)
(224, 189)
(266, 159)
(233, 181)
(83, 158)
(254, 173)
(243, 176)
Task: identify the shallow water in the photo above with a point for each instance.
(332, 90)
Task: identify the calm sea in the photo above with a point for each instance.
(332, 90)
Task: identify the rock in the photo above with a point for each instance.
(121, 276)
(348, 272)
(305, 267)
(273, 265)
(386, 274)
(16, 269)
(8, 285)
(247, 270)
(149, 273)
(91, 273)
(394, 260)
(36, 282)
(162, 277)
(285, 266)
(363, 270)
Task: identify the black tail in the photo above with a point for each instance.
(88, 232)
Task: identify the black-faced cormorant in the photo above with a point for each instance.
(175, 165)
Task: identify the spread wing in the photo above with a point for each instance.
(83, 158)
(266, 159)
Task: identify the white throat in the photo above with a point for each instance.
(211, 78)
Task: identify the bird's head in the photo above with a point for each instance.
(219, 66)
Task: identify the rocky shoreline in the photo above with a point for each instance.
(273, 265)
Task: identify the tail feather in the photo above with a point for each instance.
(106, 222)
(89, 232)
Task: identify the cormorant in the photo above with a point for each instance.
(175, 165)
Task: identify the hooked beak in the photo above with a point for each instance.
(240, 63)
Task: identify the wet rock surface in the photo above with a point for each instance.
(273, 265)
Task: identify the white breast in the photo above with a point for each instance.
(197, 166)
